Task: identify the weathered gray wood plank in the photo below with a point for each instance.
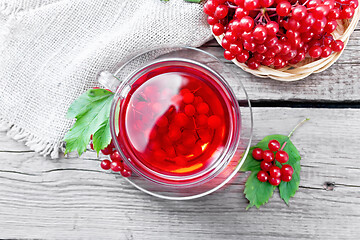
(338, 83)
(73, 198)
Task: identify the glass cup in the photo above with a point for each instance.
(170, 66)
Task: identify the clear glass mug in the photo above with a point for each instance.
(225, 164)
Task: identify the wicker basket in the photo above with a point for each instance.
(308, 65)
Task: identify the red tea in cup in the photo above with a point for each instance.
(175, 121)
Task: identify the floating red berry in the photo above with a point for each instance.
(180, 160)
(202, 108)
(257, 154)
(174, 134)
(188, 98)
(188, 139)
(205, 135)
(162, 122)
(170, 151)
(201, 120)
(180, 119)
(214, 121)
(190, 110)
(184, 91)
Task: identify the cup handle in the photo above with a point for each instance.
(108, 80)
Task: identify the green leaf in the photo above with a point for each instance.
(91, 110)
(258, 193)
(250, 164)
(102, 137)
(85, 102)
(288, 189)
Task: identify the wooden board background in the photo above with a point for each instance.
(72, 198)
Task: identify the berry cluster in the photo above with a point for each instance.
(277, 33)
(182, 130)
(116, 164)
(269, 171)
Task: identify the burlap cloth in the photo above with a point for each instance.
(52, 50)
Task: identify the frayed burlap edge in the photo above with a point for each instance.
(36, 144)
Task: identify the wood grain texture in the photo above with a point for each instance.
(338, 83)
(72, 198)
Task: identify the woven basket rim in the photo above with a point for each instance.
(302, 70)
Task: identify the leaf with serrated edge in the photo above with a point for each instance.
(89, 118)
(250, 163)
(85, 102)
(287, 189)
(102, 137)
(258, 193)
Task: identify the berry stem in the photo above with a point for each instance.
(283, 146)
(294, 129)
(230, 5)
(257, 17)
(194, 91)
(261, 19)
(267, 17)
(299, 124)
